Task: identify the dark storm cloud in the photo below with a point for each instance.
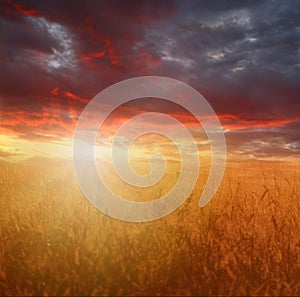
(24, 35)
(243, 56)
(43, 51)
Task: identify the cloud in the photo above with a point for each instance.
(243, 56)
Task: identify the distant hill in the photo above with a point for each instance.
(40, 160)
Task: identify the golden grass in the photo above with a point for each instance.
(245, 242)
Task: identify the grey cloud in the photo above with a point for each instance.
(243, 53)
(243, 56)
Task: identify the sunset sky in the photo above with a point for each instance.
(242, 56)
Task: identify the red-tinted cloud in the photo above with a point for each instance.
(55, 56)
(20, 8)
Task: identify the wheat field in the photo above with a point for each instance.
(246, 241)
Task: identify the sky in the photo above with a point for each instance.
(242, 56)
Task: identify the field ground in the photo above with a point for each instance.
(245, 242)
